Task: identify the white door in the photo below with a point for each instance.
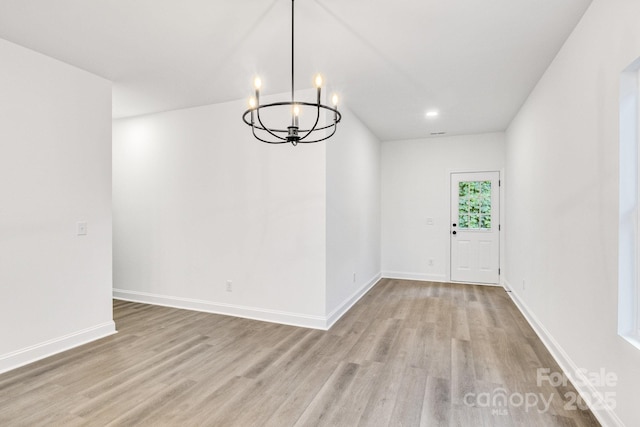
(475, 227)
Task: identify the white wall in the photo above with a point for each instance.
(198, 201)
(353, 214)
(415, 186)
(55, 170)
(562, 202)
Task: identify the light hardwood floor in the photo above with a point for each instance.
(408, 354)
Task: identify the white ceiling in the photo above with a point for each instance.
(474, 61)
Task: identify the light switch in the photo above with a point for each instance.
(429, 221)
(81, 229)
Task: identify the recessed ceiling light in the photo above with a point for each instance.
(432, 113)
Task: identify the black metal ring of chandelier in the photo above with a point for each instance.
(293, 135)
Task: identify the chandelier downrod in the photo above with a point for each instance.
(292, 48)
(292, 133)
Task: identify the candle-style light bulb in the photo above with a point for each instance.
(334, 101)
(257, 83)
(318, 82)
(252, 106)
(296, 114)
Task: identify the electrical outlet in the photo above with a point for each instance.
(430, 262)
(354, 277)
(229, 286)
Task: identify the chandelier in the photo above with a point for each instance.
(292, 133)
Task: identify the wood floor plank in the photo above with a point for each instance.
(408, 353)
(382, 400)
(463, 376)
(347, 412)
(487, 363)
(436, 406)
(140, 413)
(408, 404)
(335, 388)
(306, 386)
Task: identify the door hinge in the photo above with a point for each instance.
(499, 227)
(499, 183)
(498, 272)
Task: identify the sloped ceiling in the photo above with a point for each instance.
(473, 61)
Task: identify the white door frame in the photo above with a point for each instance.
(502, 223)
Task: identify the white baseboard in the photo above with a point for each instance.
(336, 314)
(39, 351)
(262, 314)
(414, 276)
(605, 414)
(254, 313)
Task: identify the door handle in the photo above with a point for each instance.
(454, 232)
